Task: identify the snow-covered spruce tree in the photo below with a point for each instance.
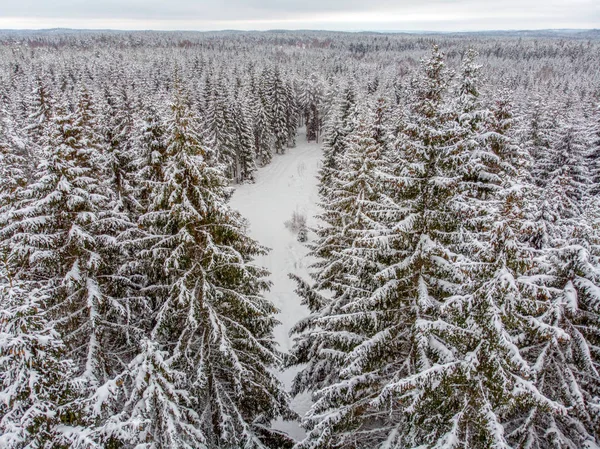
(437, 366)
(564, 185)
(472, 374)
(418, 399)
(567, 277)
(594, 153)
(219, 128)
(348, 258)
(14, 167)
(244, 144)
(538, 136)
(471, 142)
(566, 363)
(41, 105)
(487, 155)
(149, 147)
(292, 112)
(310, 99)
(63, 233)
(40, 405)
(500, 310)
(500, 317)
(13, 179)
(210, 342)
(278, 101)
(117, 151)
(263, 136)
(564, 166)
(389, 379)
(340, 123)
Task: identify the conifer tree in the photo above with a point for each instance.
(262, 128)
(414, 352)
(40, 405)
(220, 133)
(210, 321)
(310, 101)
(565, 276)
(243, 142)
(500, 308)
(41, 106)
(64, 234)
(14, 167)
(292, 112)
(538, 138)
(117, 154)
(594, 153)
(480, 165)
(564, 167)
(348, 259)
(150, 147)
(279, 110)
(400, 314)
(340, 123)
(566, 362)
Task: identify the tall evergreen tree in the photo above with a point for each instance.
(150, 147)
(566, 361)
(220, 133)
(244, 144)
(564, 167)
(41, 106)
(310, 100)
(340, 123)
(292, 112)
(399, 316)
(14, 168)
(117, 154)
(594, 152)
(211, 328)
(565, 274)
(348, 258)
(279, 109)
(64, 234)
(262, 132)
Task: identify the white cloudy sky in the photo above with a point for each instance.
(350, 15)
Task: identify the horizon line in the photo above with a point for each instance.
(224, 30)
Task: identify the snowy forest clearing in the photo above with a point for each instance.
(287, 185)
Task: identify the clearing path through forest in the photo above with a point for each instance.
(287, 185)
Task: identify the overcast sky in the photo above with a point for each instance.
(348, 15)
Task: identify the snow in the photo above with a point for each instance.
(286, 185)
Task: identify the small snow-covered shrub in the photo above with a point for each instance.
(303, 234)
(297, 222)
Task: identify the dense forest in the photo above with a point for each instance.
(454, 300)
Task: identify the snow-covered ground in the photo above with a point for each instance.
(286, 185)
